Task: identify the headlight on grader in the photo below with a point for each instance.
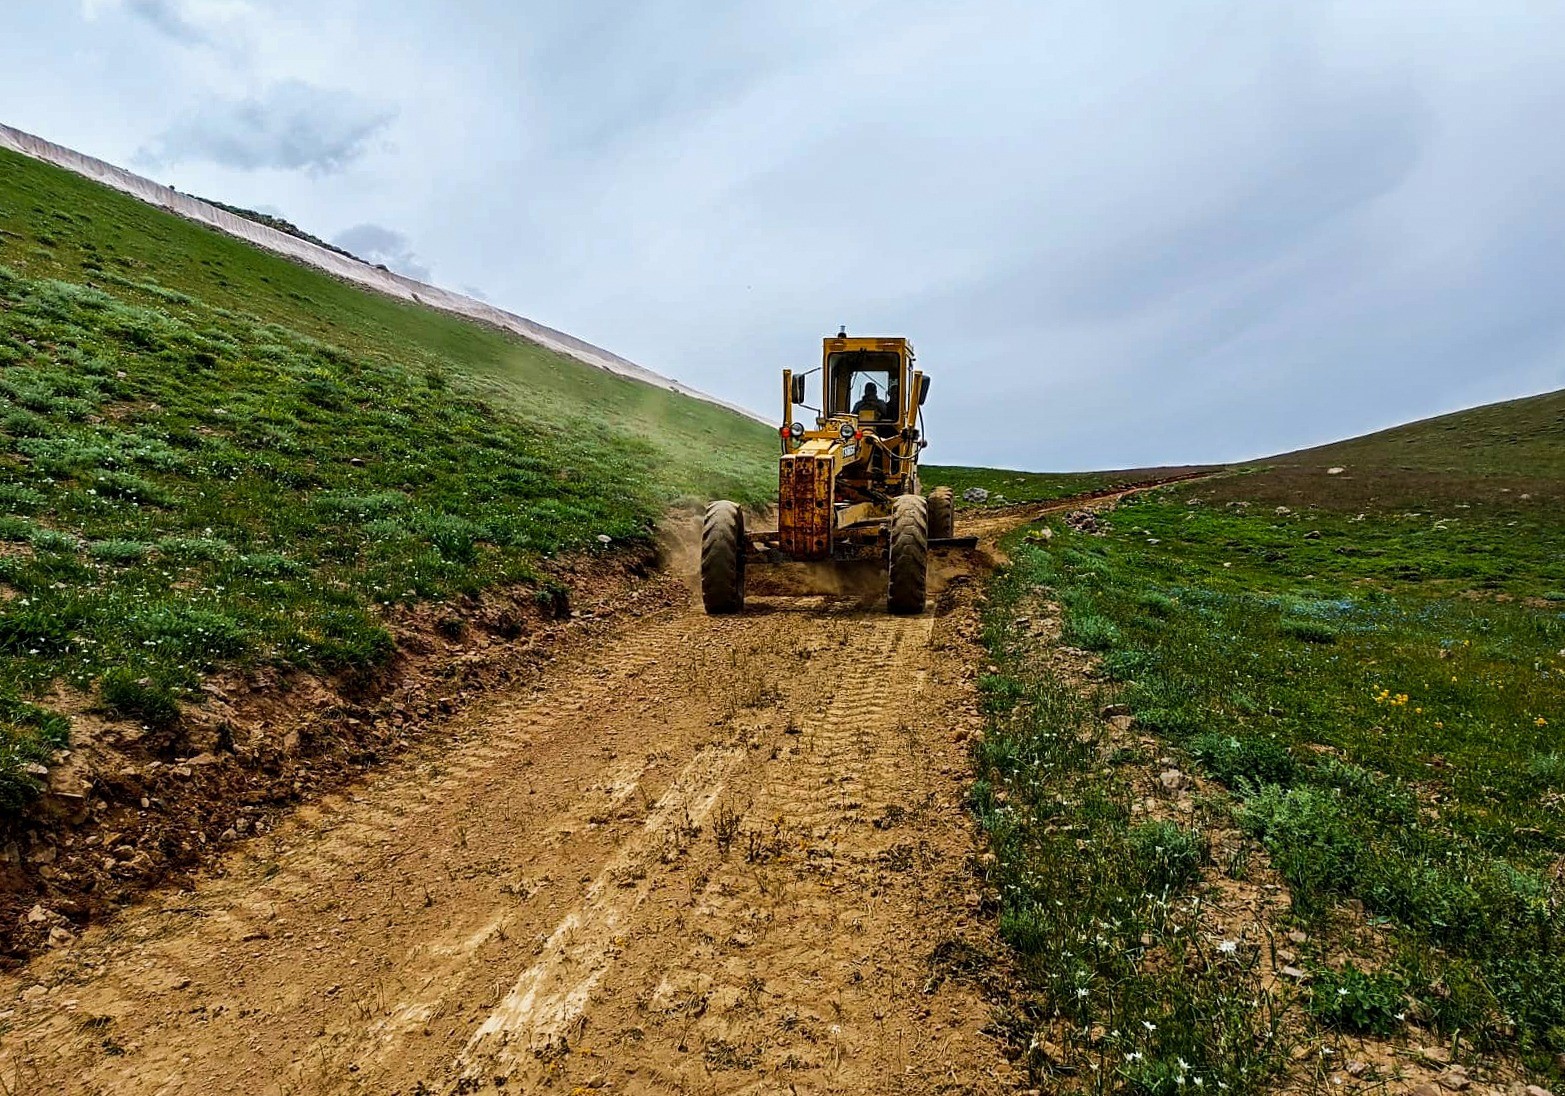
(796, 430)
(847, 431)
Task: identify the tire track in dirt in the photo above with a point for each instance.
(711, 855)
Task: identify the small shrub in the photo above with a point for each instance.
(144, 698)
(1312, 840)
(1356, 1001)
(1374, 795)
(1248, 762)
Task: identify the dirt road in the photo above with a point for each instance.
(719, 855)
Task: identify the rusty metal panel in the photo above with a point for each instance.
(804, 495)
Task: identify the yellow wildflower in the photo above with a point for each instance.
(1540, 721)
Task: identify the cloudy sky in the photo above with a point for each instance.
(1120, 233)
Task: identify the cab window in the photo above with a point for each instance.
(863, 380)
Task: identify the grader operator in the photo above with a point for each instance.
(848, 489)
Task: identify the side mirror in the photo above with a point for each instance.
(923, 390)
(798, 388)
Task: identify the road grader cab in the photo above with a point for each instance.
(848, 487)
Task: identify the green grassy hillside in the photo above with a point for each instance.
(1493, 457)
(1524, 437)
(1369, 669)
(212, 455)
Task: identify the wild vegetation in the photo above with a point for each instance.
(1365, 647)
(209, 456)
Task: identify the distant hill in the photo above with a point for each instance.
(1524, 437)
(1508, 455)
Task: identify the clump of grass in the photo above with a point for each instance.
(118, 551)
(183, 549)
(1307, 631)
(1156, 603)
(130, 487)
(1166, 855)
(17, 498)
(29, 736)
(16, 530)
(140, 698)
(1312, 839)
(52, 540)
(1092, 632)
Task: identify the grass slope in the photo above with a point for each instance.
(1523, 437)
(1372, 663)
(212, 455)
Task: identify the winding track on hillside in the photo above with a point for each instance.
(713, 855)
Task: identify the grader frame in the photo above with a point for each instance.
(848, 489)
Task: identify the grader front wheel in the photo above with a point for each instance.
(722, 558)
(942, 514)
(909, 569)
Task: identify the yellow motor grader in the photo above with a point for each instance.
(848, 488)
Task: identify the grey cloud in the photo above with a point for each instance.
(291, 125)
(382, 246)
(173, 19)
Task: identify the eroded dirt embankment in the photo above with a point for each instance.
(130, 807)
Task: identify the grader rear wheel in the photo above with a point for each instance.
(722, 558)
(942, 514)
(909, 555)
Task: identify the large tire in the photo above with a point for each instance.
(909, 570)
(942, 514)
(722, 558)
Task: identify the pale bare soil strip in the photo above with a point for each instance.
(713, 855)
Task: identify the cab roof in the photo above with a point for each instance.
(833, 344)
